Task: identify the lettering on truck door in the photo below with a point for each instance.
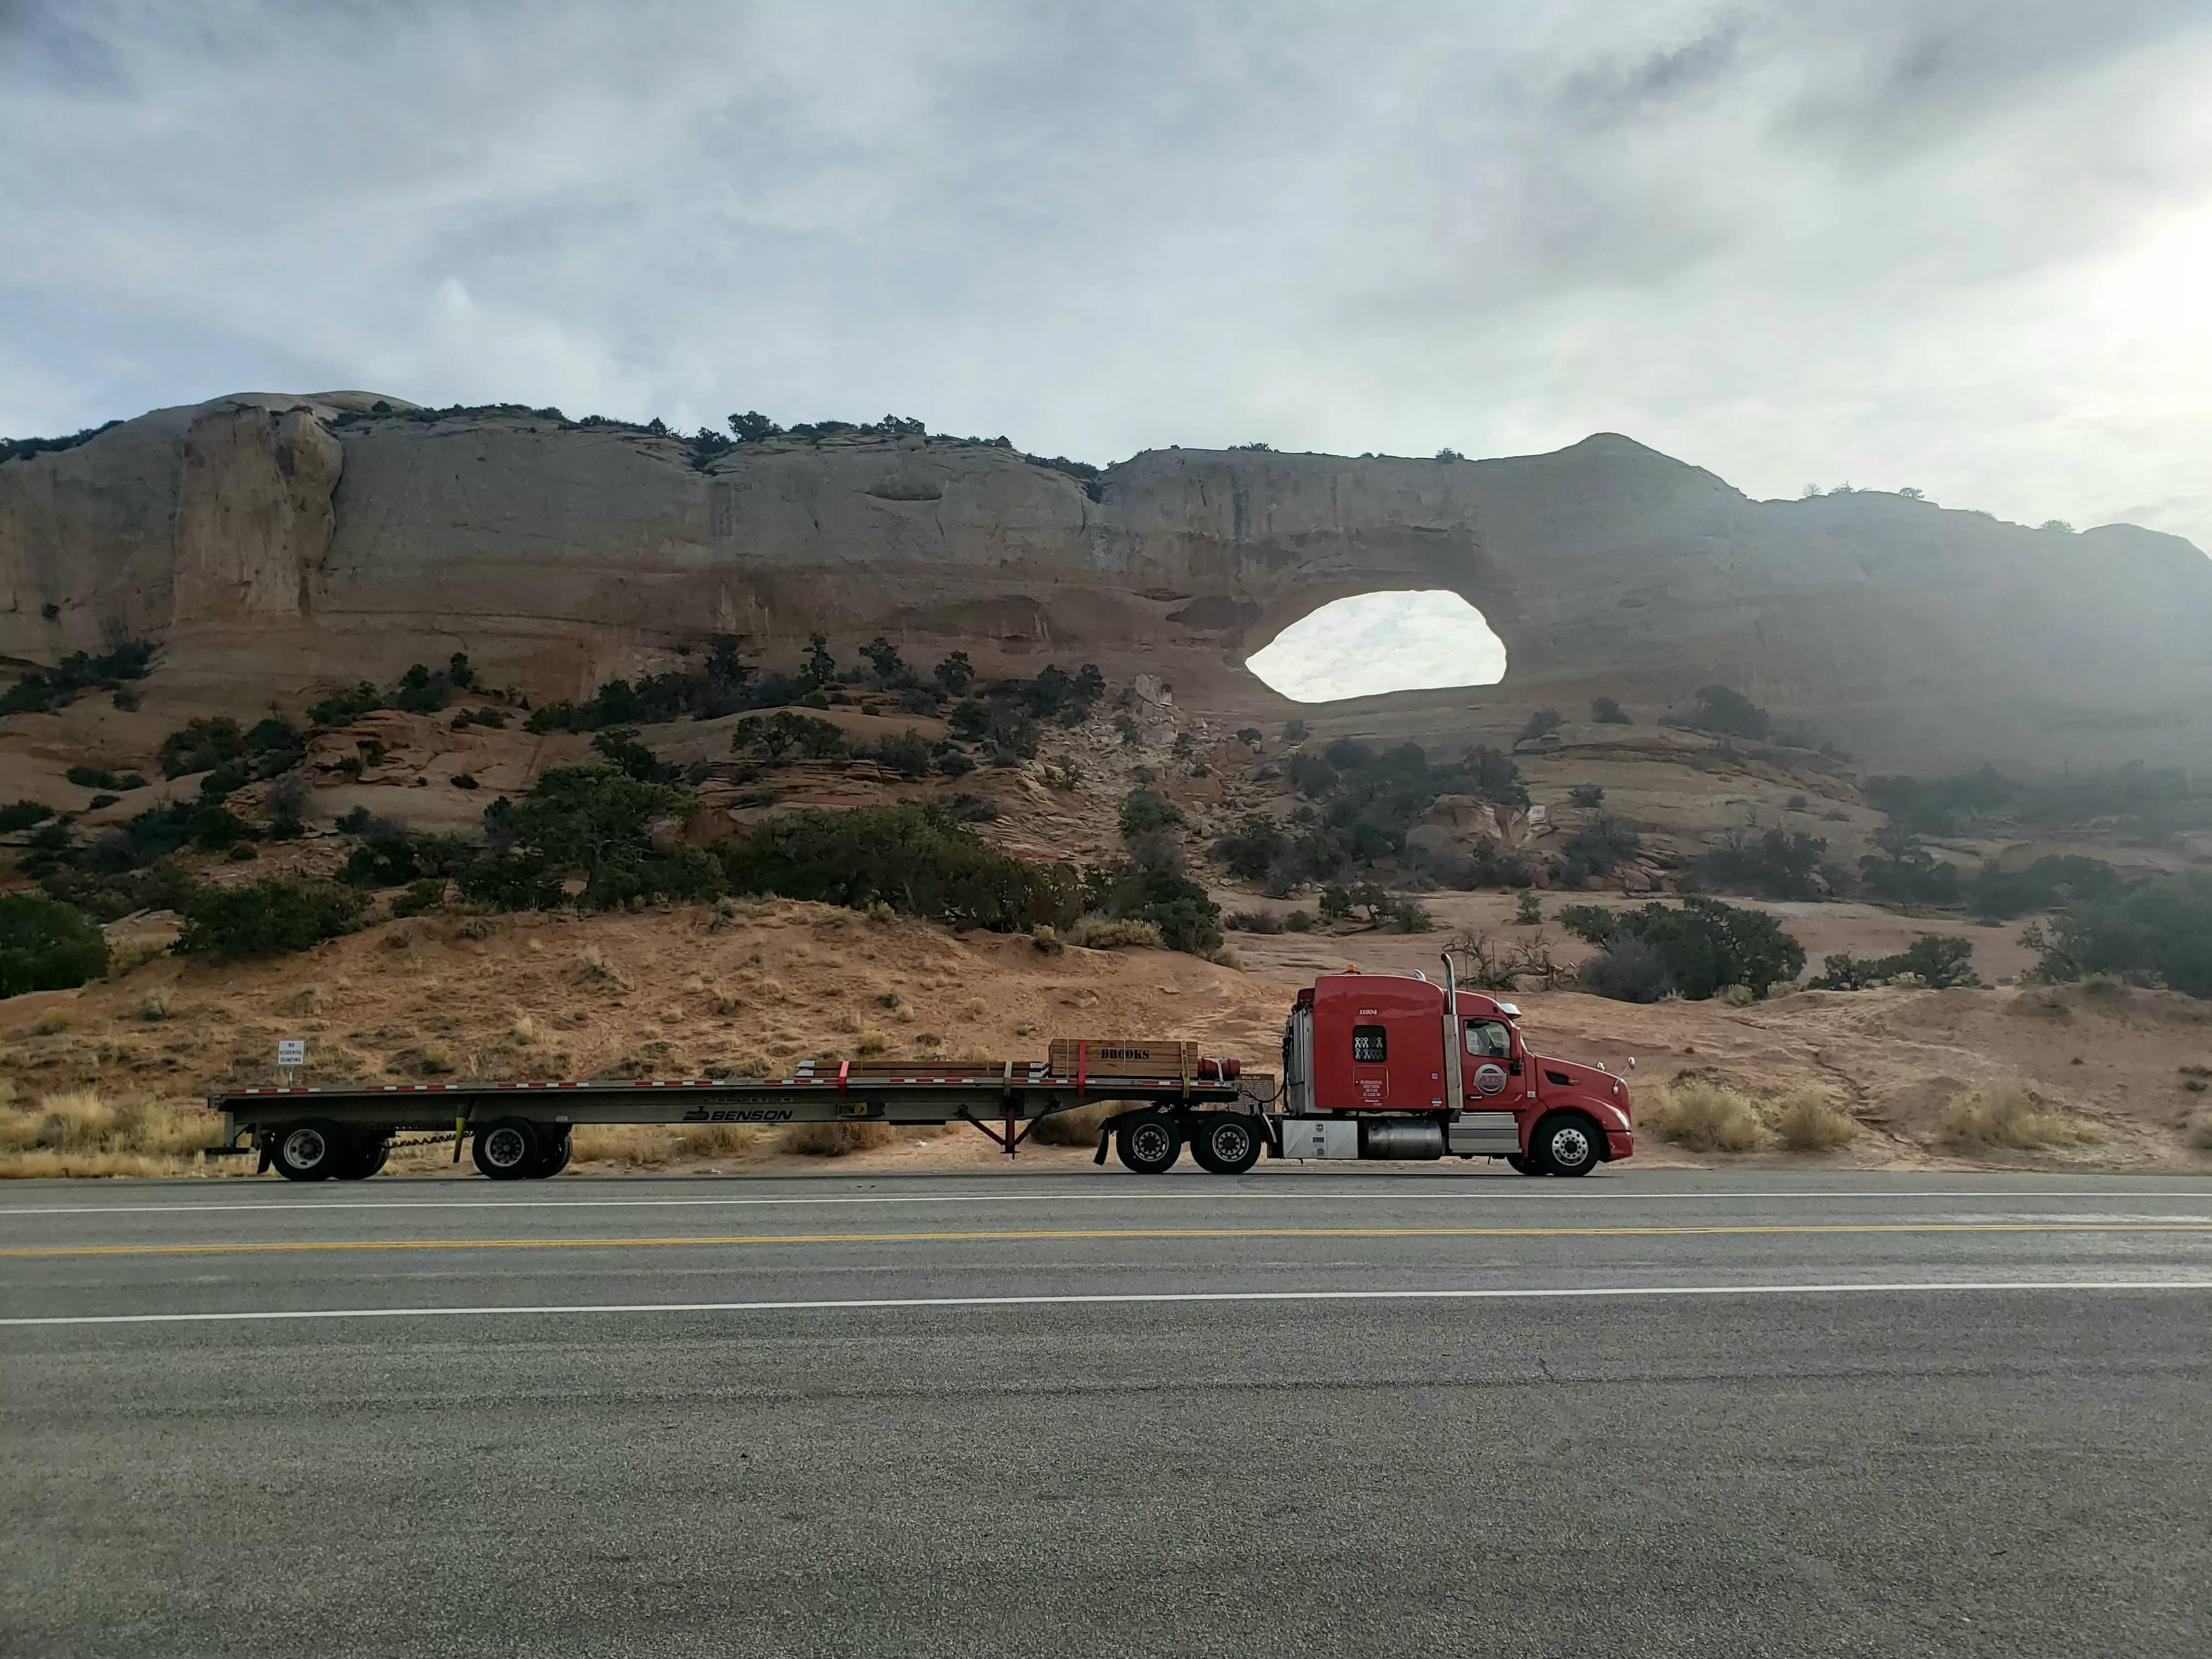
(1370, 1068)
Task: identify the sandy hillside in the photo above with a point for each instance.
(683, 991)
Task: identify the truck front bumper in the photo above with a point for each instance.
(1620, 1144)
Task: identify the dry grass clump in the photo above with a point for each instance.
(837, 1139)
(51, 1026)
(2010, 1118)
(124, 954)
(871, 1041)
(1097, 933)
(84, 1133)
(160, 1003)
(626, 1145)
(593, 968)
(1806, 1124)
(1705, 1116)
(2199, 1132)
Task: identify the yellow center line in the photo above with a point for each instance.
(1034, 1235)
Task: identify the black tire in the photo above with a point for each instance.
(553, 1158)
(1147, 1142)
(1522, 1164)
(1567, 1144)
(509, 1149)
(312, 1151)
(363, 1157)
(1224, 1143)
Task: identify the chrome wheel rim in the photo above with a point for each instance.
(504, 1148)
(1231, 1142)
(305, 1148)
(1570, 1146)
(1149, 1143)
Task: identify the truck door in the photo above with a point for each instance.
(1490, 1062)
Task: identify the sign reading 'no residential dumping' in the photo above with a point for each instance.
(292, 1051)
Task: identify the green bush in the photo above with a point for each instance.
(41, 691)
(99, 777)
(345, 707)
(1909, 876)
(1779, 864)
(1542, 723)
(915, 858)
(1939, 963)
(1731, 713)
(2002, 894)
(266, 918)
(1605, 711)
(599, 822)
(1705, 945)
(1146, 812)
(201, 745)
(22, 815)
(46, 946)
(1178, 907)
(783, 734)
(1626, 970)
(2154, 931)
(1587, 795)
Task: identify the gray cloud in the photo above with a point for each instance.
(1955, 245)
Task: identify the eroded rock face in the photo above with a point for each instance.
(273, 546)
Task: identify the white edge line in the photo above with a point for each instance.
(1365, 1194)
(1104, 1299)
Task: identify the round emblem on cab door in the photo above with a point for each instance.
(1489, 1079)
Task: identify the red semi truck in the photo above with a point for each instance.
(1374, 1065)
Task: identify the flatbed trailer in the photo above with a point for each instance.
(1374, 1065)
(520, 1130)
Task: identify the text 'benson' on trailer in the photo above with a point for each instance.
(1374, 1065)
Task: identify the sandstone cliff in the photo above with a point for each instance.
(270, 545)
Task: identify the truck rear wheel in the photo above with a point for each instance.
(554, 1158)
(1224, 1143)
(1522, 1163)
(314, 1151)
(1148, 1143)
(362, 1157)
(508, 1148)
(1565, 1144)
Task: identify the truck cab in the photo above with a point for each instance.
(1374, 1067)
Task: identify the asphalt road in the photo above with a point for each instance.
(1358, 1413)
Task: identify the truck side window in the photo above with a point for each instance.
(1488, 1039)
(1367, 1045)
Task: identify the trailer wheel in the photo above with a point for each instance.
(314, 1151)
(508, 1148)
(362, 1157)
(1524, 1164)
(1224, 1143)
(1565, 1144)
(1148, 1143)
(553, 1158)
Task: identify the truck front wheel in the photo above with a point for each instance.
(1224, 1143)
(1148, 1143)
(1565, 1144)
(1522, 1163)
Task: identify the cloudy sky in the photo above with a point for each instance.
(1959, 246)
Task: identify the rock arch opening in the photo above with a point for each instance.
(1424, 640)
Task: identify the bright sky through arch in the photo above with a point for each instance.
(1371, 643)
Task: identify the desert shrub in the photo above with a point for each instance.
(1605, 711)
(99, 777)
(47, 945)
(915, 858)
(2002, 894)
(1102, 933)
(41, 691)
(1256, 847)
(1626, 970)
(85, 1132)
(1299, 921)
(1146, 812)
(1909, 876)
(1405, 916)
(1778, 864)
(266, 918)
(1705, 1116)
(2154, 931)
(1157, 893)
(1587, 795)
(1706, 944)
(619, 747)
(23, 814)
(1590, 923)
(1253, 921)
(1527, 910)
(598, 822)
(1939, 806)
(345, 707)
(1938, 963)
(1806, 1124)
(2010, 1118)
(908, 753)
(2198, 1131)
(1597, 849)
(837, 1139)
(201, 745)
(785, 735)
(1541, 724)
(1729, 713)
